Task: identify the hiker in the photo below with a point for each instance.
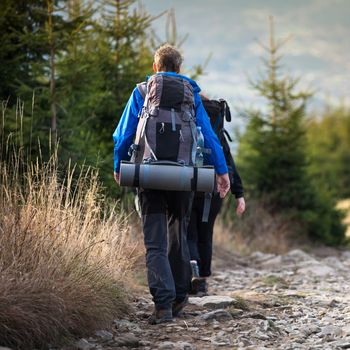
(165, 214)
(200, 233)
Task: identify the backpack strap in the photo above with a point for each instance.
(217, 123)
(225, 109)
(142, 87)
(206, 208)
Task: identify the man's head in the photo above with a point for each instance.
(167, 59)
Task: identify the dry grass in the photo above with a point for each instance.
(260, 230)
(63, 255)
(344, 205)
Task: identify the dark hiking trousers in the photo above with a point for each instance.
(165, 218)
(200, 234)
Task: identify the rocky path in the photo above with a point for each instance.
(263, 301)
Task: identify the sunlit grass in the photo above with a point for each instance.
(64, 253)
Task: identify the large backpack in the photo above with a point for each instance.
(166, 129)
(219, 111)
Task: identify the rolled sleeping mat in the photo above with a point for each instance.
(167, 177)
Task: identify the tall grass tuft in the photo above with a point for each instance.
(64, 253)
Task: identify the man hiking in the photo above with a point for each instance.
(165, 214)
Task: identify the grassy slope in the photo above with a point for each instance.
(63, 255)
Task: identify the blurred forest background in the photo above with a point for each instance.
(67, 68)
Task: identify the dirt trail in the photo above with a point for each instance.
(263, 301)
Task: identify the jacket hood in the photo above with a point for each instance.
(195, 86)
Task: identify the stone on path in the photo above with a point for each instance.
(167, 345)
(125, 325)
(104, 335)
(331, 330)
(83, 344)
(261, 256)
(212, 301)
(220, 339)
(275, 261)
(182, 345)
(219, 315)
(316, 269)
(310, 329)
(299, 255)
(334, 262)
(128, 340)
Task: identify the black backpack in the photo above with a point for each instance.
(219, 111)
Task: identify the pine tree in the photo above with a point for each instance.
(21, 49)
(120, 48)
(329, 149)
(272, 154)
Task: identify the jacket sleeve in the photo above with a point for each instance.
(236, 186)
(210, 139)
(126, 129)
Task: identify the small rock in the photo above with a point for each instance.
(262, 336)
(310, 329)
(205, 338)
(125, 325)
(331, 330)
(144, 343)
(261, 256)
(235, 312)
(334, 262)
(276, 261)
(166, 345)
(104, 335)
(299, 255)
(255, 315)
(220, 339)
(212, 301)
(346, 255)
(182, 345)
(219, 315)
(83, 344)
(317, 270)
(346, 330)
(128, 340)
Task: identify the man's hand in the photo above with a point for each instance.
(223, 184)
(240, 206)
(116, 178)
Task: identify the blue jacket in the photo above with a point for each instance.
(124, 133)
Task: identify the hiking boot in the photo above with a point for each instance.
(194, 268)
(178, 306)
(161, 316)
(199, 287)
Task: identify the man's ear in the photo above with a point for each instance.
(155, 69)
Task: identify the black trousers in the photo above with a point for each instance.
(200, 234)
(165, 219)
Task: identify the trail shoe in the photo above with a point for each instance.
(199, 287)
(178, 306)
(161, 316)
(194, 268)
